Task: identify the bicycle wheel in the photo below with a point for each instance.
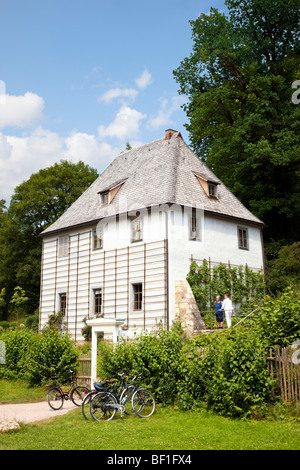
(125, 399)
(102, 406)
(55, 399)
(143, 403)
(85, 406)
(78, 394)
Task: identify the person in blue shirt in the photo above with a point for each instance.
(219, 312)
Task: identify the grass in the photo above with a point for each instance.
(167, 429)
(18, 391)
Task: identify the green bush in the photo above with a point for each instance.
(278, 323)
(235, 375)
(231, 376)
(156, 353)
(50, 354)
(35, 357)
(17, 345)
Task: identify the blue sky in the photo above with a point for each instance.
(79, 79)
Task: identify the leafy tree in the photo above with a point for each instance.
(35, 204)
(284, 270)
(18, 299)
(242, 123)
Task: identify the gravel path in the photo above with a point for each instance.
(30, 412)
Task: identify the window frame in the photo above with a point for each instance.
(97, 291)
(243, 235)
(97, 239)
(134, 232)
(192, 220)
(103, 197)
(137, 297)
(63, 246)
(214, 187)
(62, 302)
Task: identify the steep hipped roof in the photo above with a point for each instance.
(161, 172)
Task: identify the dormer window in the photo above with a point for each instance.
(104, 198)
(212, 190)
(108, 194)
(209, 185)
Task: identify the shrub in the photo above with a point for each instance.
(17, 344)
(235, 374)
(50, 354)
(231, 376)
(156, 353)
(278, 323)
(36, 357)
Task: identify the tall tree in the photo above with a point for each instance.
(35, 204)
(242, 120)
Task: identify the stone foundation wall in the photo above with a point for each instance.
(187, 312)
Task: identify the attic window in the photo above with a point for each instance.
(210, 186)
(212, 190)
(104, 198)
(108, 194)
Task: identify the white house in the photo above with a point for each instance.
(123, 249)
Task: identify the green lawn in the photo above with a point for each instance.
(167, 429)
(18, 391)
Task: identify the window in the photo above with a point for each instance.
(136, 230)
(243, 238)
(212, 190)
(194, 228)
(97, 239)
(104, 198)
(62, 303)
(63, 249)
(97, 302)
(137, 296)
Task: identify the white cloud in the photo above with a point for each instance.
(20, 111)
(22, 156)
(167, 108)
(125, 125)
(118, 93)
(144, 80)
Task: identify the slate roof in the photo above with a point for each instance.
(160, 172)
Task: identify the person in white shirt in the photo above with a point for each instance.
(228, 309)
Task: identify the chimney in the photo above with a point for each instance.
(170, 133)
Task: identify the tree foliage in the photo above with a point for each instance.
(35, 204)
(242, 123)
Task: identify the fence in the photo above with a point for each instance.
(84, 369)
(286, 372)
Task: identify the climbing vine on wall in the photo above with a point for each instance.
(245, 286)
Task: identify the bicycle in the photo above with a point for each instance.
(103, 386)
(116, 389)
(104, 405)
(56, 395)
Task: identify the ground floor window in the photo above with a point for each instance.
(137, 296)
(97, 302)
(63, 303)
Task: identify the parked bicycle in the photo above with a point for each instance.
(98, 387)
(56, 395)
(104, 405)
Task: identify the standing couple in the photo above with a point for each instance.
(225, 306)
